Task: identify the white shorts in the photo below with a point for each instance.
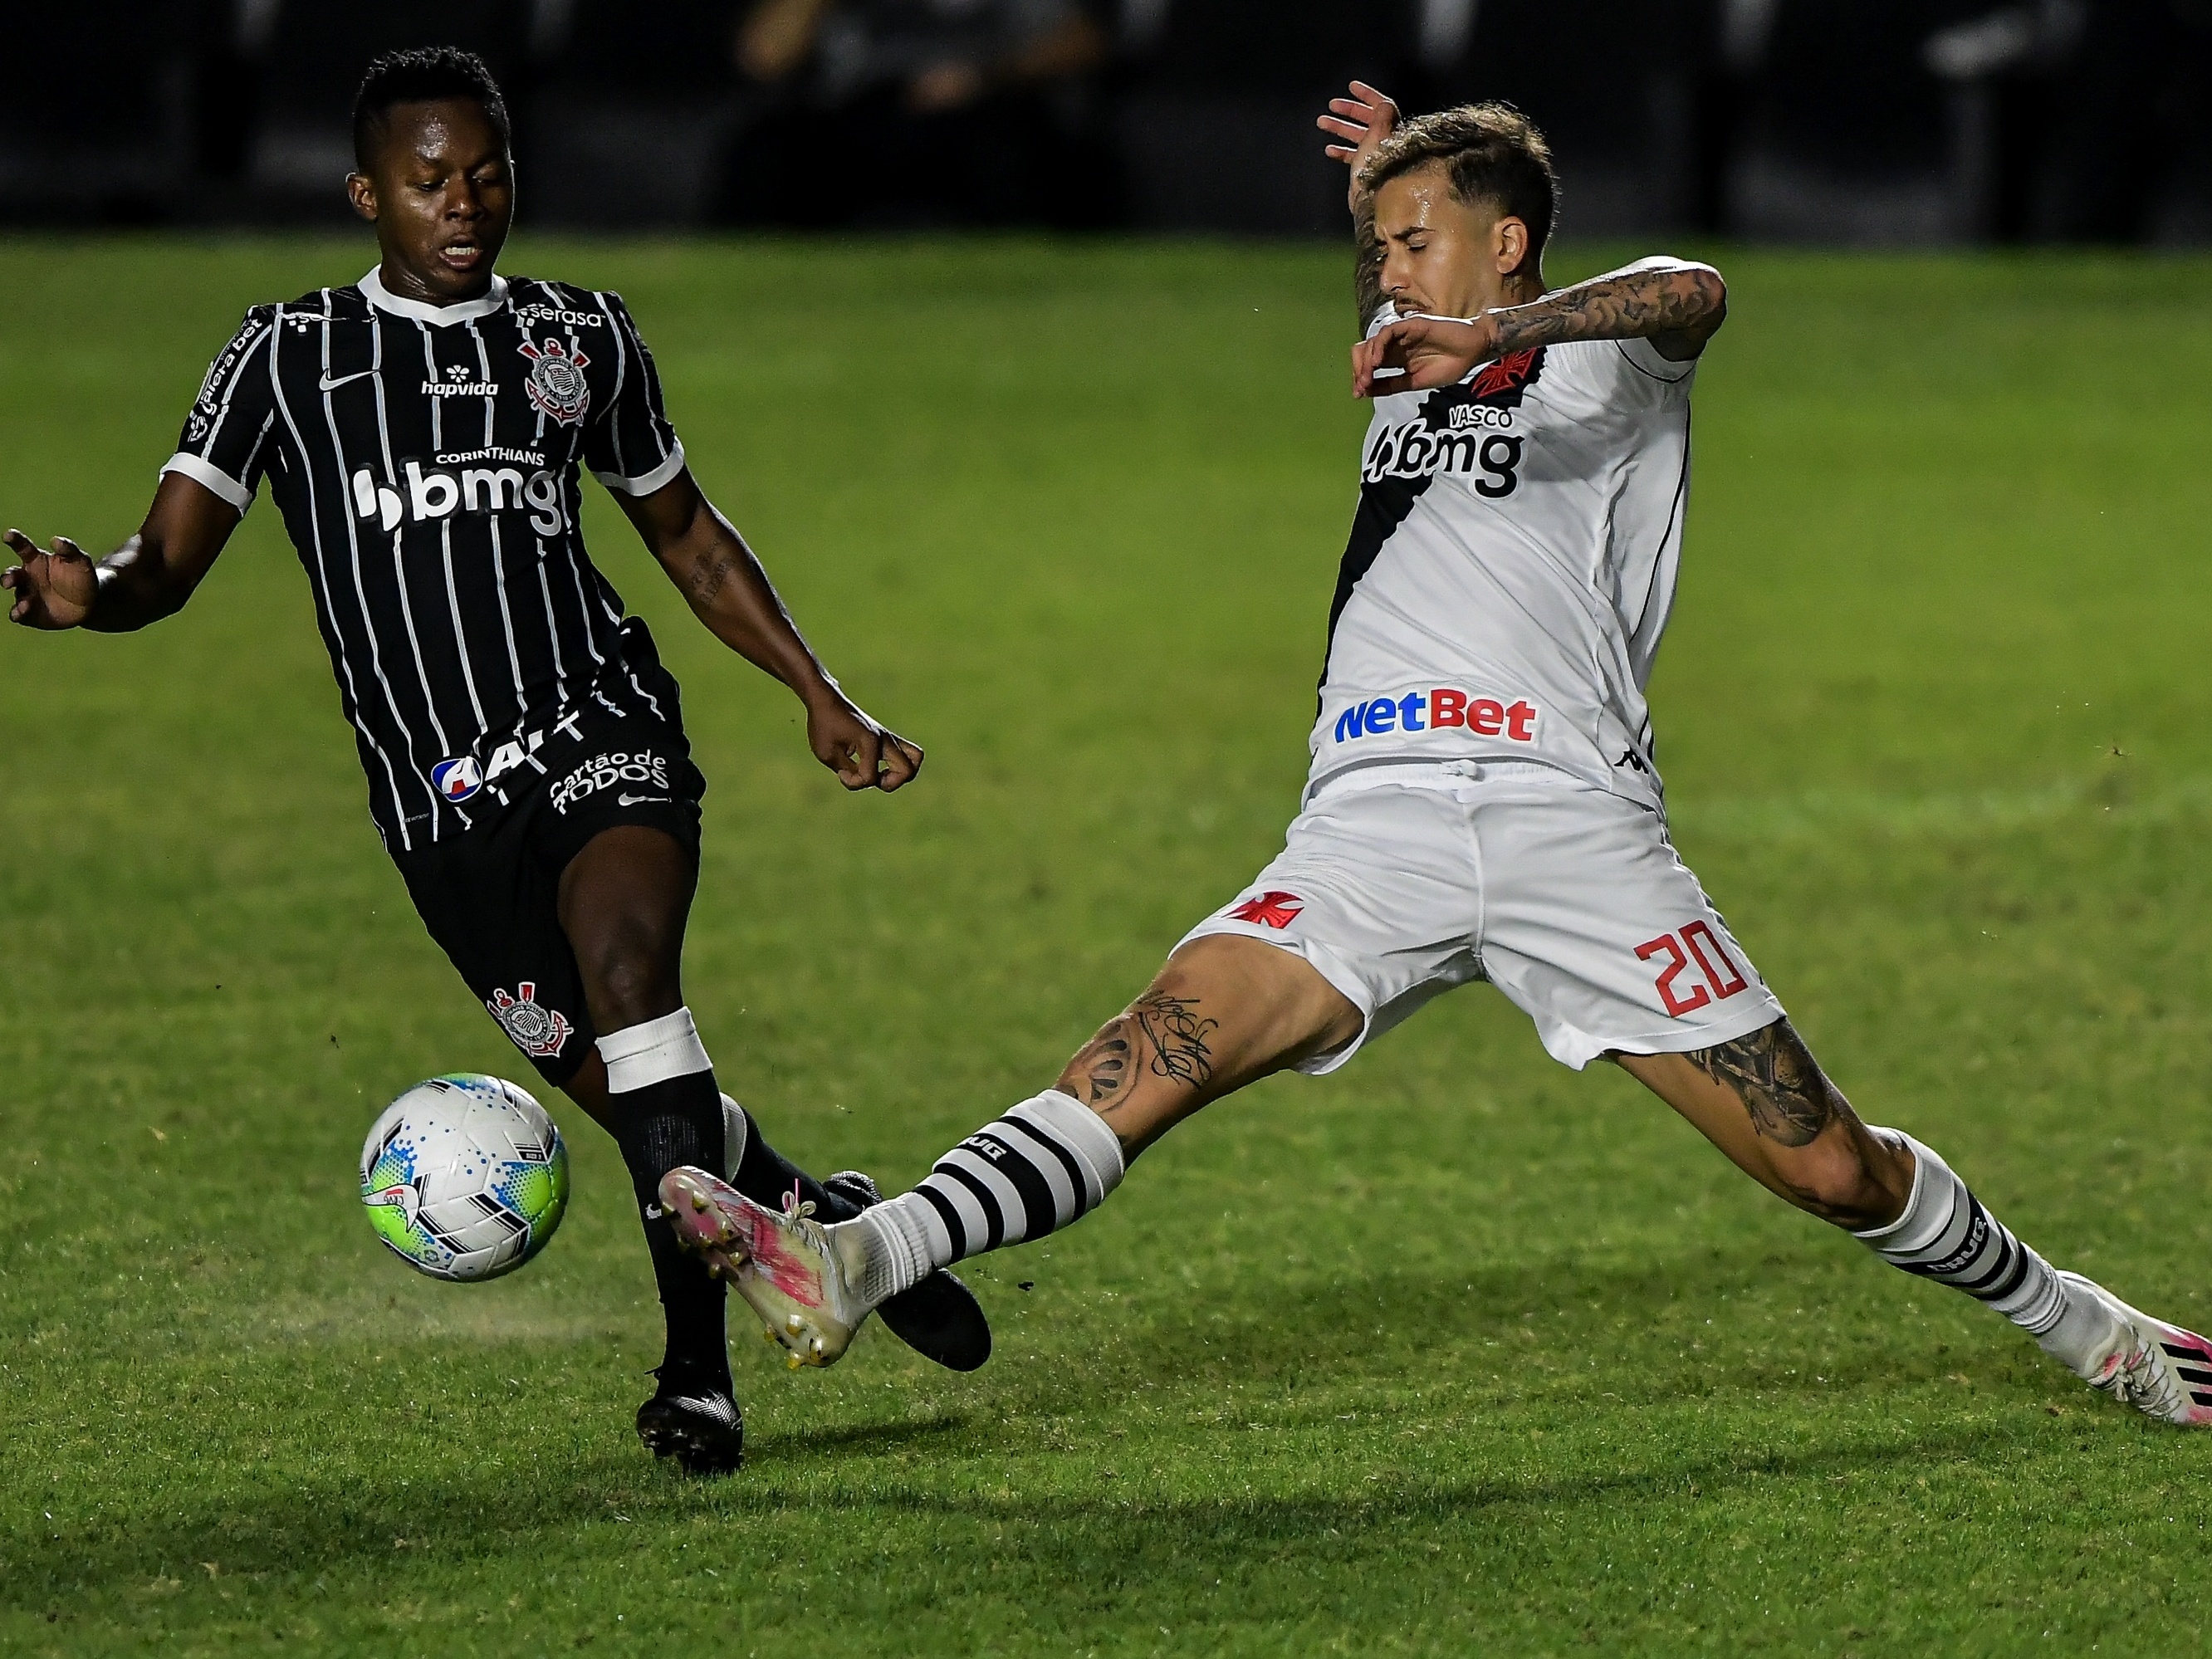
(1399, 882)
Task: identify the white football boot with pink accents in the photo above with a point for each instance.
(790, 1268)
(2161, 1370)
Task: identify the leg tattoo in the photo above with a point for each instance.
(1777, 1079)
(1177, 1034)
(1101, 1071)
(1170, 1028)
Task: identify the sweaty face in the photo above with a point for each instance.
(441, 194)
(1440, 254)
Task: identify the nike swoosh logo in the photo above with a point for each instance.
(326, 384)
(642, 800)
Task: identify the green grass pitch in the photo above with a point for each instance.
(1456, 1352)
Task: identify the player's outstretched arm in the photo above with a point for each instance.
(1677, 304)
(728, 590)
(149, 577)
(1357, 124)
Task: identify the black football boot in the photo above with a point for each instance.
(939, 1318)
(693, 1418)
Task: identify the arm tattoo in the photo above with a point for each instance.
(1779, 1083)
(713, 575)
(1631, 306)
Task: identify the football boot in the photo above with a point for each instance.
(2161, 1370)
(939, 1318)
(801, 1277)
(694, 1421)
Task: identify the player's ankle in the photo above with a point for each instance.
(689, 1370)
(879, 1257)
(2088, 1333)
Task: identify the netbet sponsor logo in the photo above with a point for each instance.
(1441, 709)
(435, 493)
(604, 772)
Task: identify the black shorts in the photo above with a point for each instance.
(491, 897)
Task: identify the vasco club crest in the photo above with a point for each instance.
(539, 1031)
(557, 385)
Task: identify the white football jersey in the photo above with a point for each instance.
(1511, 566)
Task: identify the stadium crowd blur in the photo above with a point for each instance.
(1895, 121)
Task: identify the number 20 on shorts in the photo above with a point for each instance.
(1717, 977)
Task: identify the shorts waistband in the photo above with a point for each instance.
(1411, 774)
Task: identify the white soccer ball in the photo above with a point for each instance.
(464, 1177)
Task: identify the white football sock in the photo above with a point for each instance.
(1046, 1163)
(1946, 1234)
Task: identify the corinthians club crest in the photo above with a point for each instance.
(539, 1031)
(557, 385)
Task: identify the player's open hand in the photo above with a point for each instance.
(52, 590)
(1358, 123)
(1430, 351)
(862, 753)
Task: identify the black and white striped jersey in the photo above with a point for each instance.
(425, 460)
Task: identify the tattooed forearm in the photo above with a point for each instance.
(1779, 1083)
(1366, 261)
(712, 575)
(1679, 307)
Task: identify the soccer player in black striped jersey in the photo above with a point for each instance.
(421, 431)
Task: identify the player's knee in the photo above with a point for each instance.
(1836, 1177)
(628, 979)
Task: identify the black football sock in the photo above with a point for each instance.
(668, 1112)
(766, 1177)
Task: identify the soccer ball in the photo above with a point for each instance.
(464, 1177)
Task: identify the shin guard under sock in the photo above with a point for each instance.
(661, 1093)
(1047, 1163)
(1945, 1234)
(766, 1175)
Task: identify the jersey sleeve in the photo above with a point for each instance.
(630, 446)
(1620, 378)
(225, 446)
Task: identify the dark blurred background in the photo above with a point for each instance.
(1853, 121)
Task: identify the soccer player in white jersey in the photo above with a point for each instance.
(1482, 805)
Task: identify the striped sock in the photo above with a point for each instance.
(1044, 1163)
(1946, 1234)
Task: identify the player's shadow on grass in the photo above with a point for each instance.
(360, 1526)
(1705, 1325)
(858, 1439)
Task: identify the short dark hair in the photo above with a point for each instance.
(1493, 154)
(416, 77)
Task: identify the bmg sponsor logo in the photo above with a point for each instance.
(423, 496)
(1445, 708)
(1416, 451)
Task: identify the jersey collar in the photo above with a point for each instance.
(373, 289)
